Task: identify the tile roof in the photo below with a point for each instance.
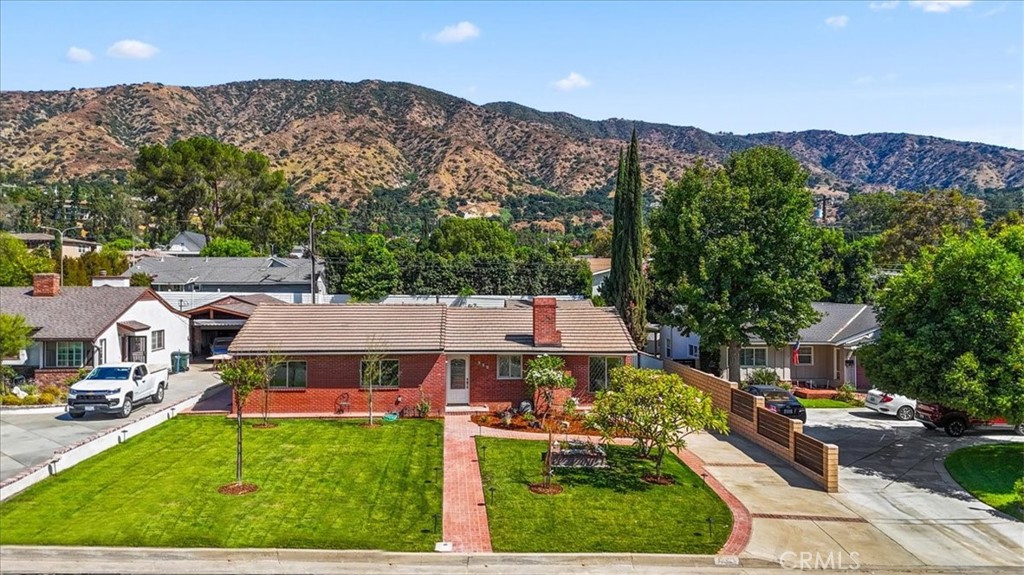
(562, 303)
(593, 330)
(349, 328)
(839, 322)
(226, 271)
(353, 328)
(599, 265)
(77, 313)
(242, 305)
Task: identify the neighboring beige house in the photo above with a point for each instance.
(827, 356)
(70, 247)
(599, 270)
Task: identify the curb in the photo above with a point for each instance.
(43, 409)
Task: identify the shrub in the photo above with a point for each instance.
(484, 419)
(529, 417)
(47, 399)
(10, 399)
(30, 400)
(846, 393)
(29, 388)
(762, 376)
(1018, 490)
(570, 406)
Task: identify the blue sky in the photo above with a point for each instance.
(951, 68)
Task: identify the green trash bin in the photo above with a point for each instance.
(179, 361)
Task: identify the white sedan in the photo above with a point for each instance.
(891, 404)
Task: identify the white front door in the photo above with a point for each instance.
(458, 381)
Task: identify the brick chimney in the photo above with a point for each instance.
(45, 285)
(545, 331)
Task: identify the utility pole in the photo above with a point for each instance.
(60, 246)
(312, 256)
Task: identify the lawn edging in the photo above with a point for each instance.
(94, 445)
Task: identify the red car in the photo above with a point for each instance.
(956, 422)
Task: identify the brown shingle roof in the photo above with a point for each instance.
(599, 265)
(353, 328)
(77, 313)
(240, 305)
(350, 328)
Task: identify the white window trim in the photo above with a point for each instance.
(379, 386)
(802, 348)
(754, 350)
(56, 354)
(497, 366)
(152, 340)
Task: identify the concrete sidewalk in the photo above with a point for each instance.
(36, 560)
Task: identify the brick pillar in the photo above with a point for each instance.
(45, 285)
(545, 330)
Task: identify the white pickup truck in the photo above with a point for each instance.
(117, 388)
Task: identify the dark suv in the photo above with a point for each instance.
(956, 422)
(779, 400)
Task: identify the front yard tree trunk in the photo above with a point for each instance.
(734, 361)
(238, 451)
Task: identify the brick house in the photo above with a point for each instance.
(457, 357)
(74, 327)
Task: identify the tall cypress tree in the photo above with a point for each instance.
(610, 289)
(628, 286)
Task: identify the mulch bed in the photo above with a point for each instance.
(576, 424)
(236, 489)
(541, 489)
(663, 480)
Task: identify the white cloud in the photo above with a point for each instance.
(864, 80)
(889, 5)
(132, 50)
(571, 82)
(940, 6)
(78, 55)
(837, 21)
(457, 33)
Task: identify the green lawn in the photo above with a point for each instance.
(823, 403)
(323, 484)
(611, 510)
(989, 472)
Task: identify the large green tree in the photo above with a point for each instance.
(14, 334)
(227, 248)
(18, 264)
(627, 284)
(923, 220)
(953, 327)
(846, 268)
(201, 181)
(736, 252)
(373, 271)
(471, 237)
(80, 271)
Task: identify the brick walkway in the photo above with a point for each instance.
(465, 516)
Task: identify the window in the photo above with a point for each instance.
(600, 371)
(289, 374)
(65, 354)
(381, 373)
(753, 357)
(510, 367)
(805, 356)
(694, 350)
(158, 340)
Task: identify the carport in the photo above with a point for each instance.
(222, 318)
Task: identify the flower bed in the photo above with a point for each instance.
(560, 423)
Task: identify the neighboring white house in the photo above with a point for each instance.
(675, 345)
(186, 244)
(600, 268)
(79, 326)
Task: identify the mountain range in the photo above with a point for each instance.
(343, 140)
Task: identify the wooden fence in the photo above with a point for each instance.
(778, 434)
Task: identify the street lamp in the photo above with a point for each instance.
(60, 233)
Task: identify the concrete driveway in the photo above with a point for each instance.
(30, 437)
(892, 475)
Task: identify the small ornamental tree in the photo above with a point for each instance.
(14, 334)
(545, 374)
(657, 409)
(244, 376)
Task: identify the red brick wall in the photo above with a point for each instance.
(53, 376)
(330, 377)
(499, 394)
(545, 332)
(45, 285)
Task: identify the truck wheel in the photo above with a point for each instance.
(956, 427)
(905, 413)
(1019, 430)
(126, 407)
(76, 415)
(158, 397)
